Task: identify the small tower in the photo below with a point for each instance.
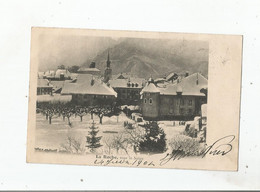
(108, 70)
(151, 101)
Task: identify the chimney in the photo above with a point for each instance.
(197, 81)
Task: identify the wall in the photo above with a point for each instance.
(90, 100)
(180, 106)
(128, 96)
(151, 110)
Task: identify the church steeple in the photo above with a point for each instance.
(108, 60)
(108, 70)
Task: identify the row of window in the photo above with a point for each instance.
(150, 101)
(182, 101)
(93, 96)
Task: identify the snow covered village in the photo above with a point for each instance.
(102, 110)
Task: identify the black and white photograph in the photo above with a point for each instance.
(124, 101)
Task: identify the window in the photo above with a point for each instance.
(190, 102)
(181, 111)
(150, 101)
(182, 101)
(94, 96)
(85, 96)
(145, 100)
(190, 111)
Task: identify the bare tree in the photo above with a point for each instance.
(72, 146)
(101, 112)
(120, 142)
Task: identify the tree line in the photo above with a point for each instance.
(51, 111)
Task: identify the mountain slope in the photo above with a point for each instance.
(151, 57)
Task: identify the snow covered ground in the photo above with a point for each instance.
(51, 136)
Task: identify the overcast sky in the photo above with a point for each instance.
(70, 50)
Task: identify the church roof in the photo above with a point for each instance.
(88, 84)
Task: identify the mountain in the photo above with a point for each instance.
(156, 57)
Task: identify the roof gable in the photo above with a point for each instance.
(190, 85)
(88, 84)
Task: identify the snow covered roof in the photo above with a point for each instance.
(86, 69)
(43, 83)
(88, 84)
(150, 88)
(40, 75)
(190, 85)
(58, 84)
(49, 73)
(122, 76)
(64, 72)
(170, 76)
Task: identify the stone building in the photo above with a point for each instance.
(128, 90)
(180, 100)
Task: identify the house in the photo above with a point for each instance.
(62, 74)
(180, 100)
(50, 74)
(128, 90)
(171, 77)
(89, 90)
(44, 87)
(58, 75)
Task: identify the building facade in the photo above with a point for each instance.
(89, 91)
(128, 90)
(181, 100)
(44, 87)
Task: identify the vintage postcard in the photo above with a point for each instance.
(134, 99)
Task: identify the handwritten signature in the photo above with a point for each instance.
(220, 147)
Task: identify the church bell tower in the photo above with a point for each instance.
(108, 70)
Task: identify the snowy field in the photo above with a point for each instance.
(51, 136)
